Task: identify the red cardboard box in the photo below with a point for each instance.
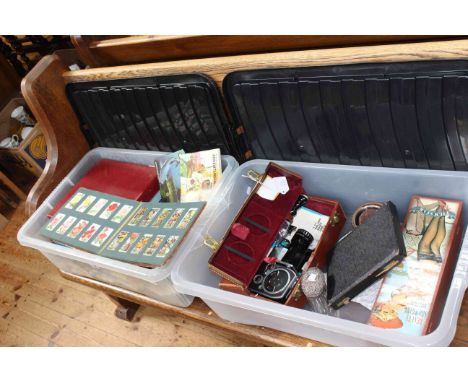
(127, 180)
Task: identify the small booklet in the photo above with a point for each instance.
(169, 177)
(144, 233)
(199, 173)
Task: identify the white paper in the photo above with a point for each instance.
(268, 189)
(368, 296)
(281, 184)
(311, 221)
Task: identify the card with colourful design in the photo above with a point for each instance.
(74, 201)
(187, 218)
(54, 222)
(122, 213)
(138, 216)
(171, 222)
(149, 216)
(141, 244)
(88, 234)
(154, 245)
(119, 239)
(164, 251)
(66, 225)
(93, 211)
(86, 203)
(102, 236)
(162, 216)
(111, 208)
(78, 228)
(143, 233)
(129, 242)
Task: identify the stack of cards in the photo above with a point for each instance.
(124, 229)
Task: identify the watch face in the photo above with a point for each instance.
(276, 281)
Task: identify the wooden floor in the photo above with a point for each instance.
(38, 307)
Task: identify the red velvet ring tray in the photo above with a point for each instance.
(236, 271)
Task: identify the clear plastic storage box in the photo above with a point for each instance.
(352, 186)
(155, 283)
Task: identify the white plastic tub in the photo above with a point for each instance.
(155, 283)
(351, 186)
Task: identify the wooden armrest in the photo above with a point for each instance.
(44, 91)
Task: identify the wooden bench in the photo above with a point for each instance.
(44, 91)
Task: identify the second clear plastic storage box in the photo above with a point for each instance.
(155, 283)
(352, 186)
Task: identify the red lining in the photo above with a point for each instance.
(270, 214)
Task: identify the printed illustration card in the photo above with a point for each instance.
(143, 233)
(168, 169)
(407, 293)
(199, 173)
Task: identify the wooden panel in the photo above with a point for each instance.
(44, 91)
(199, 311)
(44, 88)
(218, 67)
(12, 186)
(38, 307)
(97, 51)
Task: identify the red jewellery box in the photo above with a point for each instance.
(238, 257)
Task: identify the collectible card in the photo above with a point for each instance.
(123, 229)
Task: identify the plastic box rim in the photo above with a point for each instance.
(436, 338)
(150, 275)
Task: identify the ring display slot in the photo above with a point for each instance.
(332, 104)
(101, 98)
(136, 117)
(294, 116)
(249, 127)
(380, 119)
(256, 224)
(151, 121)
(312, 105)
(252, 102)
(430, 117)
(405, 122)
(238, 253)
(354, 101)
(99, 134)
(462, 112)
(190, 117)
(270, 98)
(161, 113)
(449, 94)
(176, 113)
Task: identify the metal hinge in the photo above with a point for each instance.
(211, 243)
(345, 301)
(389, 266)
(253, 175)
(335, 219)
